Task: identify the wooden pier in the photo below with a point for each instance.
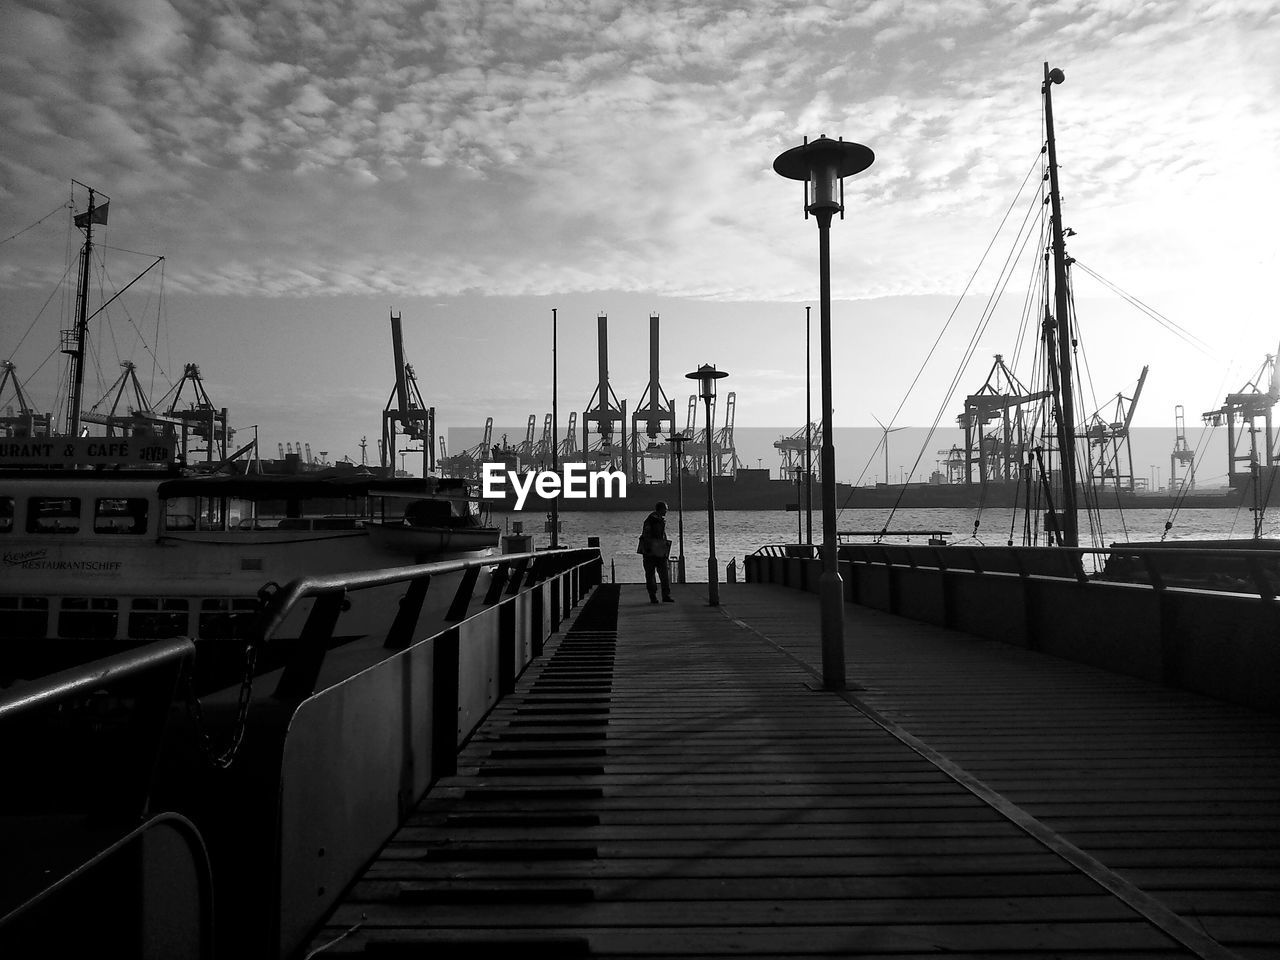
(674, 783)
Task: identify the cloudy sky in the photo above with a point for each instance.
(306, 166)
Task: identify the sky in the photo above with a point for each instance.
(305, 167)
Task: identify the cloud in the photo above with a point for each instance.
(542, 147)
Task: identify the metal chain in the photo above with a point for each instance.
(223, 760)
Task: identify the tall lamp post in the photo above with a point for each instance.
(707, 375)
(822, 165)
(677, 441)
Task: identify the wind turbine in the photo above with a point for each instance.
(885, 440)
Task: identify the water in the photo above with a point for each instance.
(741, 532)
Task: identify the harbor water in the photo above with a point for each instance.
(741, 532)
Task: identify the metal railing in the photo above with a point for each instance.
(1251, 571)
(80, 839)
(510, 572)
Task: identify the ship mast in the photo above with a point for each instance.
(73, 340)
(1062, 328)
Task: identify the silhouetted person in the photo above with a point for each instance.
(656, 548)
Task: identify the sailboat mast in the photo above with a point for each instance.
(73, 345)
(1066, 402)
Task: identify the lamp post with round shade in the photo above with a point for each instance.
(707, 375)
(822, 165)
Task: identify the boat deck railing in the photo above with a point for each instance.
(78, 837)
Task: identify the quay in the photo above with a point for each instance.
(671, 781)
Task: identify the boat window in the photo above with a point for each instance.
(180, 513)
(88, 618)
(227, 619)
(6, 514)
(120, 515)
(158, 618)
(53, 515)
(24, 618)
(212, 513)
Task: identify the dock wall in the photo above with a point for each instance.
(1223, 645)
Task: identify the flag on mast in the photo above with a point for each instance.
(96, 215)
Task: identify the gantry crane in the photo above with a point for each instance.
(1110, 438)
(1181, 454)
(654, 410)
(405, 406)
(604, 410)
(568, 450)
(1002, 398)
(26, 422)
(722, 447)
(792, 448)
(200, 418)
(1244, 407)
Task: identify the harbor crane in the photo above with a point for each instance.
(654, 410)
(200, 418)
(568, 449)
(791, 448)
(467, 464)
(1182, 454)
(1110, 438)
(406, 407)
(26, 422)
(998, 454)
(542, 449)
(606, 412)
(726, 454)
(1239, 412)
(524, 449)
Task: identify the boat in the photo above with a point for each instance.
(110, 541)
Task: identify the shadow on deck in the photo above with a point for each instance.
(678, 787)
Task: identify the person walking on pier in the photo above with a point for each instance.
(656, 549)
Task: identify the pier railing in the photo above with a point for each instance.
(353, 732)
(1204, 619)
(88, 860)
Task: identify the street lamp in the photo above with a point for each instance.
(677, 441)
(822, 165)
(707, 375)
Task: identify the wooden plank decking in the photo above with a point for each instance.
(677, 788)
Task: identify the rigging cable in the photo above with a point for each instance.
(1180, 332)
(61, 206)
(950, 317)
(970, 349)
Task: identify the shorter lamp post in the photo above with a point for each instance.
(800, 504)
(707, 375)
(677, 441)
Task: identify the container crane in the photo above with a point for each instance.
(568, 449)
(1242, 408)
(726, 455)
(1000, 453)
(26, 422)
(201, 418)
(606, 412)
(1182, 454)
(1111, 438)
(791, 448)
(405, 406)
(654, 410)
